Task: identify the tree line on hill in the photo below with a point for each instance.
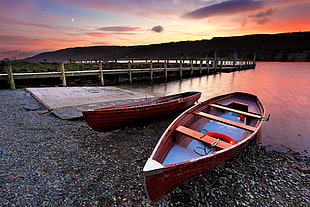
(266, 47)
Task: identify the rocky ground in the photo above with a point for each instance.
(46, 161)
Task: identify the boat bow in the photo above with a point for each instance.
(152, 166)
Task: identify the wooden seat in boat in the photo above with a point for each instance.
(257, 116)
(226, 121)
(202, 137)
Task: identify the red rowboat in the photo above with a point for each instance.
(113, 117)
(201, 138)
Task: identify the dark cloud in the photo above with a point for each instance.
(263, 16)
(158, 29)
(226, 7)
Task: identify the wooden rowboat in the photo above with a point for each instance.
(201, 138)
(113, 117)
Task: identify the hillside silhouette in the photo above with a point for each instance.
(267, 47)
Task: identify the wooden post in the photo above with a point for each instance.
(192, 68)
(207, 66)
(151, 69)
(10, 76)
(254, 59)
(221, 65)
(181, 75)
(235, 58)
(63, 75)
(166, 70)
(200, 67)
(130, 74)
(215, 62)
(214, 65)
(101, 73)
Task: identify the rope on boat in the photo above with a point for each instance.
(205, 149)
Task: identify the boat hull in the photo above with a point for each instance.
(159, 185)
(110, 118)
(160, 180)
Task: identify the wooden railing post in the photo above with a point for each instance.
(151, 69)
(221, 65)
(101, 74)
(10, 76)
(181, 75)
(200, 67)
(192, 68)
(166, 70)
(63, 75)
(214, 65)
(130, 73)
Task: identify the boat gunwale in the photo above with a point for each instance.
(148, 103)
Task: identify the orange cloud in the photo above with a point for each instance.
(97, 34)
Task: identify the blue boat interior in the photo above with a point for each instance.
(196, 148)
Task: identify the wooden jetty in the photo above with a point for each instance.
(130, 70)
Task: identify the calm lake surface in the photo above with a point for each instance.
(283, 88)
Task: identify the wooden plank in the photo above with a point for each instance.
(257, 116)
(226, 121)
(202, 137)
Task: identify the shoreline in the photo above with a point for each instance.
(46, 161)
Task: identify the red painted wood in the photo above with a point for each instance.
(109, 118)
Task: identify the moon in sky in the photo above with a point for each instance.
(72, 19)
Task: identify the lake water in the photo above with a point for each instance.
(283, 88)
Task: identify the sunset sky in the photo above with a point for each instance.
(29, 27)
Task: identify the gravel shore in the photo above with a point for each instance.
(46, 161)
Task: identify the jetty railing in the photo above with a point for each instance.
(134, 67)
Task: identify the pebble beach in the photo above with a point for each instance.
(46, 161)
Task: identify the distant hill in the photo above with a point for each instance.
(267, 47)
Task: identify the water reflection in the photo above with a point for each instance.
(283, 88)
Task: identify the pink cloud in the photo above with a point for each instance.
(114, 30)
(17, 40)
(18, 53)
(119, 29)
(21, 23)
(97, 34)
